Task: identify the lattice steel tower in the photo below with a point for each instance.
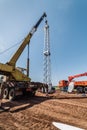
(47, 54)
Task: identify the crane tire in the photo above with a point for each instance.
(85, 89)
(80, 89)
(33, 94)
(12, 94)
(5, 93)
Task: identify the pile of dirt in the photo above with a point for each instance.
(38, 113)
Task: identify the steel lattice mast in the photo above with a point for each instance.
(47, 54)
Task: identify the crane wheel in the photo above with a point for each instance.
(85, 89)
(33, 94)
(80, 89)
(12, 94)
(5, 93)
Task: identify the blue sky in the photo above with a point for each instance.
(68, 35)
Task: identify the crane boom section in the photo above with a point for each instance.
(76, 76)
(15, 57)
(9, 69)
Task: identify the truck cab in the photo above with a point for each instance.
(63, 85)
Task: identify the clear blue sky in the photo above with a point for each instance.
(68, 35)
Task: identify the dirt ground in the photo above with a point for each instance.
(38, 113)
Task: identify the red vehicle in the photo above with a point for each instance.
(80, 86)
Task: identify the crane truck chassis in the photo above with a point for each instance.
(16, 82)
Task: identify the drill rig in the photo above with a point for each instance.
(16, 81)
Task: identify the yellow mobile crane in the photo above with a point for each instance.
(16, 81)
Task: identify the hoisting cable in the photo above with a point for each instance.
(11, 47)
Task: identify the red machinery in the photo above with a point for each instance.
(80, 86)
(70, 78)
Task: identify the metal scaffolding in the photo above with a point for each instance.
(47, 54)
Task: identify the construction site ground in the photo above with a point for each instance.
(38, 113)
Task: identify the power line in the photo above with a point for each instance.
(10, 47)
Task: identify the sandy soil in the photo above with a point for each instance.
(38, 113)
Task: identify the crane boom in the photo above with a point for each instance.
(76, 76)
(9, 68)
(14, 81)
(15, 57)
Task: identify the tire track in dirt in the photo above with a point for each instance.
(63, 112)
(39, 112)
